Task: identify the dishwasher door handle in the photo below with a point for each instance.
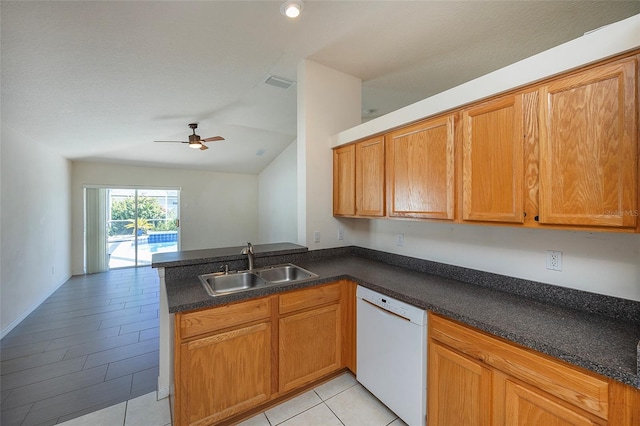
(384, 311)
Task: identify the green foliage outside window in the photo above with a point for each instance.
(151, 216)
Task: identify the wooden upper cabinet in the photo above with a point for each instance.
(420, 170)
(370, 200)
(344, 181)
(358, 179)
(589, 148)
(492, 173)
(562, 153)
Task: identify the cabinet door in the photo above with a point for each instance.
(224, 374)
(588, 148)
(528, 406)
(459, 389)
(492, 174)
(309, 346)
(420, 165)
(344, 181)
(370, 177)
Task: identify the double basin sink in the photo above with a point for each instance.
(220, 283)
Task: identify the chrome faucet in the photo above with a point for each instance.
(249, 252)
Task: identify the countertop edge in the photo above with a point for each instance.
(199, 257)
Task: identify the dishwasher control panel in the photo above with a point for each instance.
(405, 310)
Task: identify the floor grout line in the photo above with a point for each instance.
(80, 308)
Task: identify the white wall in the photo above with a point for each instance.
(36, 225)
(605, 263)
(216, 209)
(328, 102)
(605, 42)
(277, 199)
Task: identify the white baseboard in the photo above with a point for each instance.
(163, 392)
(26, 313)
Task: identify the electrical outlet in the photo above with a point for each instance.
(554, 260)
(340, 234)
(316, 237)
(400, 239)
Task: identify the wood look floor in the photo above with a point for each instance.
(92, 344)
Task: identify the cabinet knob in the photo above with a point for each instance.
(537, 218)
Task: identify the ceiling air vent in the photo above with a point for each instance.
(280, 82)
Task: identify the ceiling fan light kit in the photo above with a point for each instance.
(292, 8)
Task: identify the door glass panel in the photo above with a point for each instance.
(158, 219)
(141, 222)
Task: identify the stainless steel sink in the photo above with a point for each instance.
(284, 273)
(220, 283)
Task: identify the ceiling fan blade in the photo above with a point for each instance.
(172, 141)
(203, 147)
(213, 139)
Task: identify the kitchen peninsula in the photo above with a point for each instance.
(596, 335)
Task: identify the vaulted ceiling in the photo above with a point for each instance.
(101, 80)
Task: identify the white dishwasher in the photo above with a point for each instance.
(392, 354)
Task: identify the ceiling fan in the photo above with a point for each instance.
(194, 140)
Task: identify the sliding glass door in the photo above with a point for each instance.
(135, 223)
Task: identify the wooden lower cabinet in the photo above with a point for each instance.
(526, 405)
(225, 373)
(478, 379)
(459, 389)
(233, 358)
(309, 346)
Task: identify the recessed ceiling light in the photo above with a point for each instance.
(292, 8)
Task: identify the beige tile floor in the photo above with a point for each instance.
(145, 410)
(341, 401)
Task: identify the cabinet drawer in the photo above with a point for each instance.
(555, 377)
(307, 298)
(212, 319)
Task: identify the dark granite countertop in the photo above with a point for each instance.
(196, 257)
(603, 344)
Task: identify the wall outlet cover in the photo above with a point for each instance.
(554, 260)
